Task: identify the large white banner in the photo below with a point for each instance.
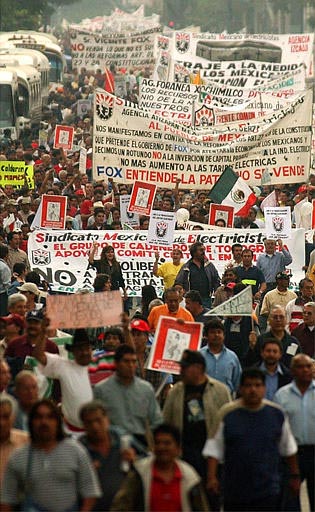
(131, 144)
(278, 52)
(125, 50)
(61, 257)
(179, 101)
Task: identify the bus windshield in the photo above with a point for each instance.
(6, 106)
(56, 67)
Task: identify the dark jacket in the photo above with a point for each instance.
(253, 355)
(183, 276)
(284, 378)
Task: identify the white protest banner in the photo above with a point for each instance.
(129, 218)
(170, 340)
(280, 51)
(278, 222)
(53, 212)
(125, 50)
(240, 304)
(61, 257)
(177, 101)
(131, 144)
(84, 310)
(161, 228)
(84, 107)
(63, 137)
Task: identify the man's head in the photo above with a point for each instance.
(283, 281)
(271, 351)
(4, 251)
(99, 216)
(126, 362)
(247, 257)
(192, 366)
(252, 387)
(35, 323)
(7, 414)
(81, 347)
(277, 318)
(214, 333)
(197, 251)
(26, 204)
(309, 314)
(306, 288)
(176, 256)
(193, 302)
(17, 304)
(5, 375)
(45, 422)
(95, 420)
(26, 389)
(166, 444)
(140, 331)
(102, 283)
(229, 276)
(171, 297)
(270, 246)
(302, 369)
(31, 293)
(14, 239)
(237, 252)
(113, 337)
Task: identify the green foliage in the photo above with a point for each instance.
(26, 14)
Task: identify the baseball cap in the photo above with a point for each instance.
(140, 325)
(29, 287)
(192, 357)
(35, 315)
(282, 275)
(26, 200)
(302, 188)
(230, 286)
(79, 192)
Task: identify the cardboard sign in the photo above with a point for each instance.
(64, 137)
(171, 339)
(84, 310)
(15, 173)
(82, 161)
(223, 213)
(142, 197)
(241, 304)
(53, 212)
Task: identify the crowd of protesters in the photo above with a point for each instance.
(235, 429)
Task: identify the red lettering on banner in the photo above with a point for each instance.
(289, 170)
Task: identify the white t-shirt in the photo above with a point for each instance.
(75, 385)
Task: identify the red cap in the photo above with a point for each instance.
(302, 188)
(230, 286)
(14, 319)
(140, 325)
(79, 192)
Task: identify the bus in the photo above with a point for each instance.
(20, 99)
(12, 56)
(43, 43)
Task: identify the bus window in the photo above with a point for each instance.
(6, 106)
(56, 67)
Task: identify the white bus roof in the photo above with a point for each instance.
(24, 56)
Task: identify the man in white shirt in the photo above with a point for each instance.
(73, 375)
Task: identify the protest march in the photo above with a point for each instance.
(157, 265)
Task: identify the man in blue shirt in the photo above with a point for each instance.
(277, 374)
(221, 363)
(250, 274)
(298, 401)
(272, 262)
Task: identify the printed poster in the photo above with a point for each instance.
(223, 213)
(64, 137)
(161, 227)
(53, 212)
(278, 222)
(126, 217)
(171, 339)
(142, 197)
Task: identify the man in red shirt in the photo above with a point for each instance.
(162, 482)
(23, 346)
